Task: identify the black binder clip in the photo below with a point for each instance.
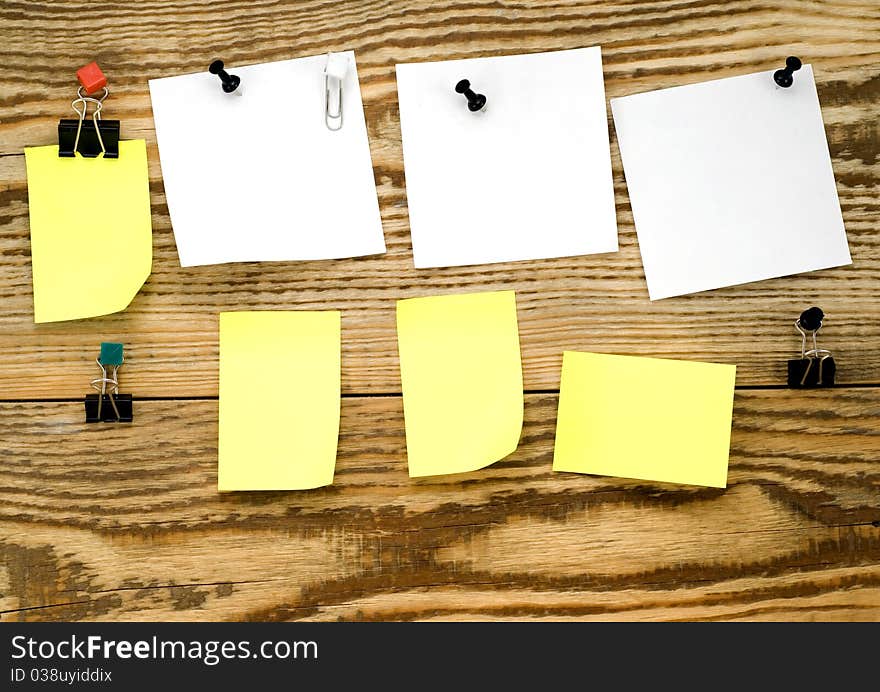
(101, 138)
(815, 367)
(108, 405)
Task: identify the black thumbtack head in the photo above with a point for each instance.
(784, 77)
(230, 81)
(811, 319)
(476, 102)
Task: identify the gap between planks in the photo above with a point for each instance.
(388, 395)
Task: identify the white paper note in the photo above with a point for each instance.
(730, 182)
(529, 178)
(257, 176)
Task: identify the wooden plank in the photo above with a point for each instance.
(104, 522)
(587, 303)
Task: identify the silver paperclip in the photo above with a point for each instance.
(336, 68)
(96, 116)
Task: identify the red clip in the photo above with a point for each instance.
(91, 78)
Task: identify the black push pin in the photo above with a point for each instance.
(476, 102)
(784, 77)
(811, 319)
(230, 81)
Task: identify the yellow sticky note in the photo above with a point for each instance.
(91, 234)
(279, 399)
(646, 418)
(462, 380)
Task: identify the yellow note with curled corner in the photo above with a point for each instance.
(279, 399)
(461, 373)
(91, 232)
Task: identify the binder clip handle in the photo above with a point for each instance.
(84, 101)
(809, 324)
(816, 366)
(107, 388)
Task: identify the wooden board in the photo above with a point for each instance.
(99, 524)
(125, 522)
(597, 302)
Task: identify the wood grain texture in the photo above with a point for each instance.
(141, 532)
(124, 522)
(595, 302)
